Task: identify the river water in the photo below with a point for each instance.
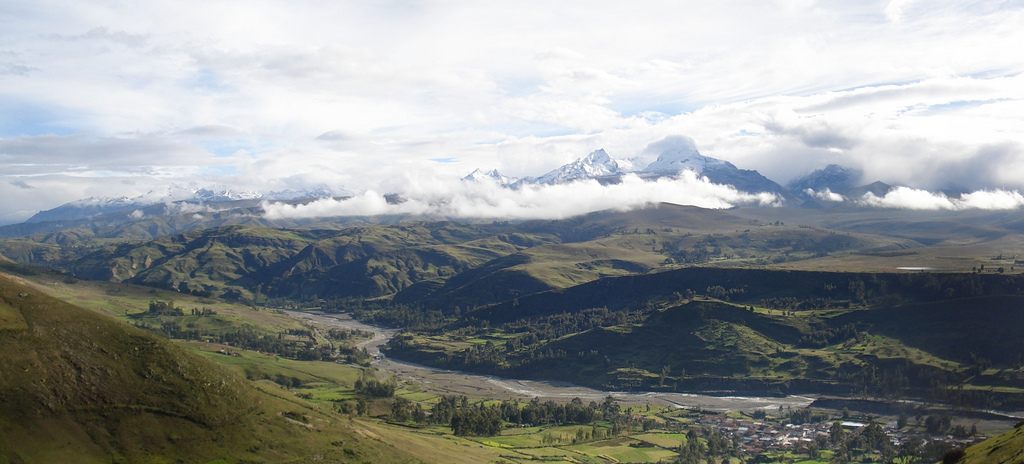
(444, 381)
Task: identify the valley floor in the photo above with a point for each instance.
(657, 427)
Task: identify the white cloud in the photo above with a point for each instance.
(910, 198)
(907, 91)
(445, 198)
(825, 195)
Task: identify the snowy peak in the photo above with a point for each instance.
(493, 175)
(302, 194)
(596, 164)
(204, 195)
(174, 194)
(85, 208)
(678, 153)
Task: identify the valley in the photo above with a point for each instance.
(692, 320)
(450, 232)
(659, 420)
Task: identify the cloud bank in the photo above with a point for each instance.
(485, 199)
(910, 198)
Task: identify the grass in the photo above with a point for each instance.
(431, 447)
(664, 440)
(116, 393)
(255, 365)
(120, 300)
(883, 347)
(1007, 448)
(536, 436)
(624, 450)
(10, 318)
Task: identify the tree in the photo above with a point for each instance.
(841, 455)
(401, 409)
(836, 434)
(419, 416)
(955, 455)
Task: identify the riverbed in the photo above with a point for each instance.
(449, 382)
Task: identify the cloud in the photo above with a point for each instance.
(122, 152)
(488, 200)
(356, 95)
(102, 33)
(825, 195)
(817, 133)
(16, 69)
(332, 136)
(910, 198)
(210, 130)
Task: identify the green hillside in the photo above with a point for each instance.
(1007, 448)
(76, 386)
(961, 351)
(249, 263)
(486, 262)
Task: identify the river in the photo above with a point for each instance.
(444, 381)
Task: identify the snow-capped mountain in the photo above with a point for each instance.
(86, 208)
(595, 165)
(674, 155)
(493, 175)
(174, 198)
(679, 153)
(205, 195)
(304, 194)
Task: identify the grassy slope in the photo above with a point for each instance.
(239, 261)
(635, 242)
(77, 386)
(716, 345)
(1007, 448)
(375, 260)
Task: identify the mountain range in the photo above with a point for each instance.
(179, 195)
(676, 154)
(180, 208)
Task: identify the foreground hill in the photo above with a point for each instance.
(1007, 448)
(76, 386)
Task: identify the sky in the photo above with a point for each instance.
(118, 98)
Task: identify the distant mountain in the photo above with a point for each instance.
(839, 179)
(675, 154)
(205, 195)
(595, 165)
(877, 188)
(678, 153)
(304, 194)
(85, 208)
(171, 198)
(493, 175)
